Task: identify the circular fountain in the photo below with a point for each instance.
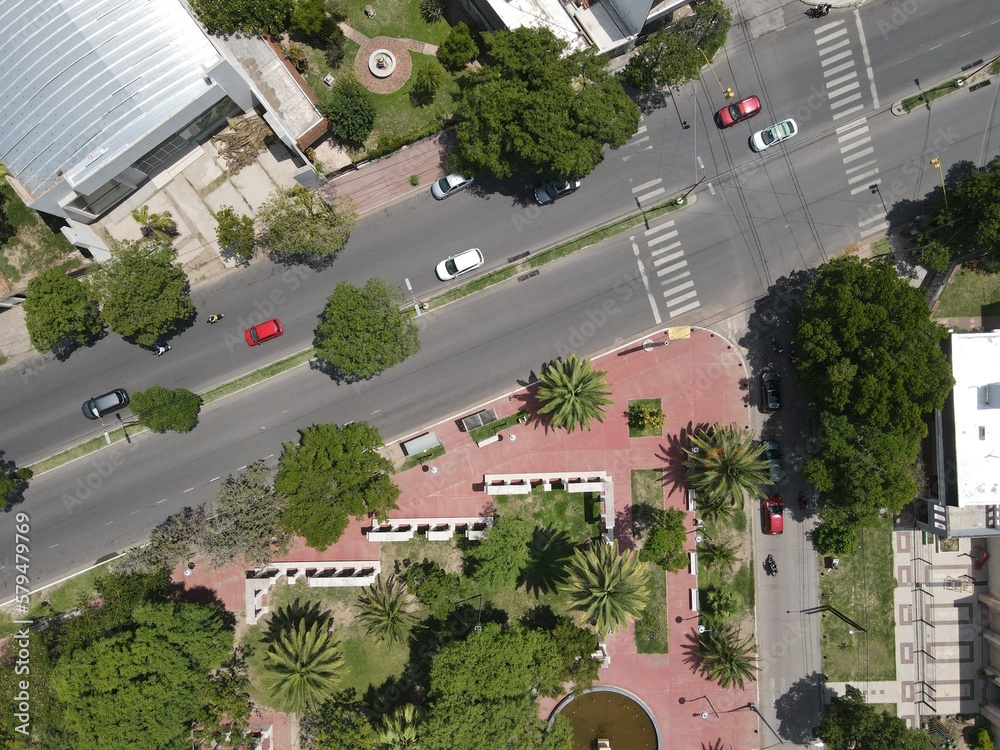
(612, 714)
(381, 63)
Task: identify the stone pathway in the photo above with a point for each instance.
(400, 49)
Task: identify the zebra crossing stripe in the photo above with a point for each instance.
(686, 308)
(682, 298)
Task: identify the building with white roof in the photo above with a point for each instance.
(100, 94)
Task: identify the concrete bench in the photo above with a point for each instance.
(693, 558)
(694, 600)
(508, 489)
(389, 536)
(487, 441)
(440, 535)
(479, 419)
(584, 486)
(691, 502)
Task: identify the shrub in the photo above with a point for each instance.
(428, 80)
(643, 416)
(298, 57)
(665, 545)
(249, 18)
(337, 10)
(235, 233)
(932, 255)
(335, 47)
(311, 19)
(834, 539)
(7, 229)
(459, 49)
(350, 110)
(432, 10)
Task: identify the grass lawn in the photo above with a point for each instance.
(862, 589)
(396, 19)
(481, 433)
(652, 631)
(36, 246)
(645, 431)
(968, 293)
(575, 515)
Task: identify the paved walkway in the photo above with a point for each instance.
(698, 377)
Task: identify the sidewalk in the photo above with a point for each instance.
(698, 378)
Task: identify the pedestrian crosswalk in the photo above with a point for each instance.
(843, 88)
(648, 192)
(640, 140)
(668, 277)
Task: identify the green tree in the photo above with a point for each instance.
(386, 608)
(573, 393)
(427, 81)
(60, 311)
(398, 730)
(159, 226)
(160, 409)
(725, 464)
(835, 538)
(458, 49)
(339, 723)
(983, 740)
(362, 331)
(246, 523)
(932, 254)
(484, 687)
(227, 702)
(349, 108)
(722, 604)
(335, 47)
(665, 545)
(498, 558)
(871, 363)
(334, 472)
(608, 588)
(235, 233)
(978, 198)
(11, 485)
(172, 542)
(849, 723)
(143, 685)
(727, 657)
(436, 589)
(538, 111)
(302, 667)
(310, 18)
(717, 555)
(299, 226)
(143, 291)
(245, 17)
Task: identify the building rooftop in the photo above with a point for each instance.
(975, 359)
(83, 79)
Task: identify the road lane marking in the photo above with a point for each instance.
(855, 157)
(645, 283)
(679, 288)
(845, 100)
(862, 176)
(844, 89)
(859, 167)
(682, 298)
(671, 269)
(648, 196)
(871, 220)
(853, 134)
(686, 308)
(662, 238)
(838, 56)
(842, 79)
(831, 25)
(658, 228)
(836, 45)
(667, 249)
(857, 144)
(875, 230)
(838, 33)
(846, 112)
(667, 259)
(645, 185)
(867, 57)
(853, 124)
(838, 69)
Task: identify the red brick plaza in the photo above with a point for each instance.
(700, 379)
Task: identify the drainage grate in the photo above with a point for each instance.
(982, 85)
(526, 276)
(519, 256)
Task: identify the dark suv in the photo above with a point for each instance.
(770, 391)
(109, 402)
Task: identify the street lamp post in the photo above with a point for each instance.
(726, 91)
(876, 191)
(936, 163)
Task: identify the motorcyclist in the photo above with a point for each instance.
(215, 318)
(160, 349)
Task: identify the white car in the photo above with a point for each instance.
(450, 185)
(775, 134)
(456, 265)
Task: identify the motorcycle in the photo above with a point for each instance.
(819, 11)
(770, 565)
(775, 346)
(215, 318)
(803, 501)
(161, 350)
(793, 356)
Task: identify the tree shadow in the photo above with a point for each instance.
(673, 455)
(800, 709)
(286, 617)
(547, 570)
(692, 651)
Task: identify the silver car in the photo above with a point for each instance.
(548, 192)
(777, 133)
(450, 185)
(772, 453)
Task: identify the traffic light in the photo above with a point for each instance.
(729, 93)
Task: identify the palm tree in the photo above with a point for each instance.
(398, 730)
(608, 588)
(721, 604)
(573, 393)
(725, 463)
(161, 225)
(303, 667)
(386, 607)
(720, 555)
(727, 657)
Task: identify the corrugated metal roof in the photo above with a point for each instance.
(81, 80)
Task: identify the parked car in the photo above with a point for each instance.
(550, 191)
(777, 133)
(456, 265)
(774, 518)
(734, 113)
(450, 184)
(269, 329)
(770, 391)
(772, 454)
(111, 401)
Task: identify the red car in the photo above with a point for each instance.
(258, 334)
(734, 113)
(774, 519)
